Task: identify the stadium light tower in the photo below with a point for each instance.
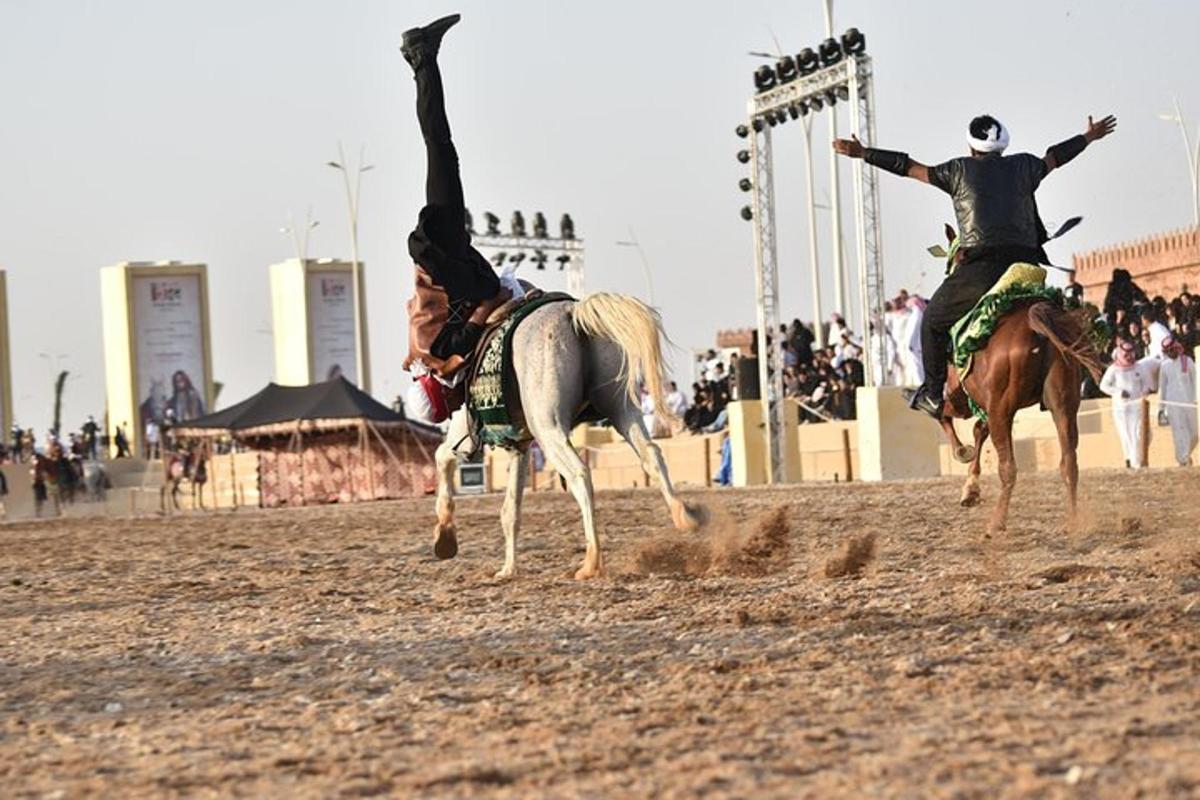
(837, 71)
(1193, 158)
(360, 344)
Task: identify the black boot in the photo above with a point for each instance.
(923, 399)
(419, 45)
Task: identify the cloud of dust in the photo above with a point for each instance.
(722, 547)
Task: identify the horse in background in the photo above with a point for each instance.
(566, 356)
(186, 464)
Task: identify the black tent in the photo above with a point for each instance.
(331, 405)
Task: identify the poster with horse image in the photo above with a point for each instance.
(331, 325)
(168, 329)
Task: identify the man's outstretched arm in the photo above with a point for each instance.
(1061, 153)
(890, 160)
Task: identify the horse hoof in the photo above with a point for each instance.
(964, 454)
(688, 519)
(587, 572)
(969, 501)
(445, 546)
(504, 574)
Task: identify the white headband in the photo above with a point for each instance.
(996, 141)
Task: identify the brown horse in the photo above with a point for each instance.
(1034, 356)
(185, 464)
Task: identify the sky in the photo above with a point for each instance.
(147, 130)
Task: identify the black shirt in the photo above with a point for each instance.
(993, 198)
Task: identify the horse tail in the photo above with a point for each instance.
(637, 329)
(1069, 334)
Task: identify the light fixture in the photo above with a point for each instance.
(771, 120)
(785, 69)
(831, 97)
(539, 259)
(831, 52)
(794, 110)
(807, 61)
(853, 42)
(757, 123)
(815, 103)
(498, 259)
(493, 223)
(764, 78)
(747, 213)
(516, 258)
(563, 260)
(743, 156)
(745, 185)
(518, 224)
(566, 227)
(742, 131)
(539, 226)
(843, 92)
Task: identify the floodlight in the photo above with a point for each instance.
(518, 224)
(539, 226)
(831, 52)
(764, 78)
(742, 131)
(566, 227)
(745, 184)
(807, 61)
(853, 42)
(785, 69)
(747, 213)
(493, 223)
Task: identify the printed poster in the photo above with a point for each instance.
(168, 333)
(331, 326)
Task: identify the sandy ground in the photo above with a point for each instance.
(325, 652)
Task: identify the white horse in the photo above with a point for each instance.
(567, 355)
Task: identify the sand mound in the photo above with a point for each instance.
(722, 548)
(856, 554)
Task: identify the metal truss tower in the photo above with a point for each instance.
(850, 80)
(530, 244)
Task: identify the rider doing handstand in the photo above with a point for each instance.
(456, 287)
(998, 225)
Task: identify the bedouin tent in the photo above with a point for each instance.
(326, 442)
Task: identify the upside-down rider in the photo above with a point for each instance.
(456, 287)
(998, 225)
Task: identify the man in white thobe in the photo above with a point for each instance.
(910, 343)
(1177, 397)
(1127, 381)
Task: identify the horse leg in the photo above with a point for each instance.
(628, 421)
(1062, 398)
(970, 492)
(562, 456)
(1001, 430)
(510, 514)
(445, 537)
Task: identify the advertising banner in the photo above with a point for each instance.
(168, 339)
(331, 325)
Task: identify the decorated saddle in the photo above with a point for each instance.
(492, 398)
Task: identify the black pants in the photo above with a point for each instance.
(440, 243)
(957, 295)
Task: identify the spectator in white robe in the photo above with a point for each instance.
(1158, 332)
(1127, 381)
(914, 368)
(837, 326)
(677, 402)
(1177, 397)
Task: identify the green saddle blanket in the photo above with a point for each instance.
(1022, 282)
(492, 398)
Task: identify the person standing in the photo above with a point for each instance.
(152, 433)
(1127, 381)
(90, 437)
(1177, 397)
(121, 442)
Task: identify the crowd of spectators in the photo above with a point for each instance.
(1145, 321)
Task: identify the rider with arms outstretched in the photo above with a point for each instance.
(998, 225)
(456, 288)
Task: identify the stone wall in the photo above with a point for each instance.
(1162, 265)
